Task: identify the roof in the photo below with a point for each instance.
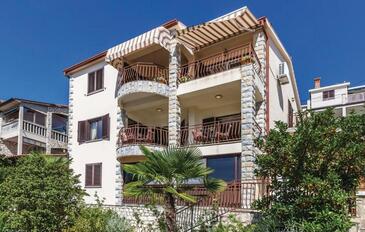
(328, 87)
(159, 36)
(205, 34)
(20, 100)
(75, 67)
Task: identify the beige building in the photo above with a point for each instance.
(27, 126)
(218, 86)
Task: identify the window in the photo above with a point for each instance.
(290, 115)
(328, 95)
(93, 175)
(95, 81)
(94, 129)
(127, 177)
(225, 167)
(34, 117)
(11, 116)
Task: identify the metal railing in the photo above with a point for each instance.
(211, 133)
(34, 128)
(144, 72)
(59, 136)
(220, 62)
(138, 134)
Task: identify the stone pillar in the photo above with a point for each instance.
(20, 131)
(260, 49)
(1, 123)
(174, 104)
(247, 117)
(70, 116)
(122, 120)
(48, 132)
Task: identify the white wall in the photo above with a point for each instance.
(316, 97)
(278, 94)
(86, 107)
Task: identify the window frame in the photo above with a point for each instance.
(326, 95)
(84, 129)
(237, 164)
(95, 81)
(93, 175)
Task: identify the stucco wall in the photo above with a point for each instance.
(316, 97)
(83, 107)
(279, 94)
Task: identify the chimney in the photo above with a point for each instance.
(317, 82)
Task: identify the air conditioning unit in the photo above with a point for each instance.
(283, 76)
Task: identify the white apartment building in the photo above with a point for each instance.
(341, 97)
(217, 86)
(27, 126)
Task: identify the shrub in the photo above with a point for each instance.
(41, 194)
(97, 219)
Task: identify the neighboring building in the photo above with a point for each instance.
(217, 85)
(341, 97)
(27, 126)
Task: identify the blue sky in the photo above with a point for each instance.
(40, 38)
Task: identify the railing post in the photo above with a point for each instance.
(48, 132)
(20, 131)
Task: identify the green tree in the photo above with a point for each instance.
(314, 172)
(171, 169)
(41, 194)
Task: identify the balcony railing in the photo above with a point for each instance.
(34, 128)
(356, 97)
(238, 194)
(219, 63)
(144, 72)
(138, 134)
(59, 136)
(211, 133)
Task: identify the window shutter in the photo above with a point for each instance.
(97, 174)
(91, 82)
(99, 79)
(87, 135)
(81, 131)
(106, 126)
(89, 175)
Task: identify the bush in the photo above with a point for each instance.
(97, 219)
(41, 194)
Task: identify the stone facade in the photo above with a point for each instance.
(174, 104)
(143, 87)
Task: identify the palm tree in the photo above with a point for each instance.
(171, 169)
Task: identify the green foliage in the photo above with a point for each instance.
(97, 219)
(41, 194)
(314, 172)
(232, 225)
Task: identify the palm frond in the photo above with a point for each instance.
(182, 195)
(214, 185)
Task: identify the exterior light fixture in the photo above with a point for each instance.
(159, 109)
(218, 96)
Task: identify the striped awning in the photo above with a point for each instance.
(160, 36)
(234, 23)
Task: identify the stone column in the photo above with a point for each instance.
(174, 104)
(20, 131)
(122, 120)
(70, 130)
(48, 132)
(1, 123)
(247, 117)
(260, 49)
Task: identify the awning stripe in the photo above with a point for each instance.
(204, 34)
(159, 35)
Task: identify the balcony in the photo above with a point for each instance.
(356, 97)
(219, 63)
(211, 133)
(238, 194)
(144, 72)
(143, 135)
